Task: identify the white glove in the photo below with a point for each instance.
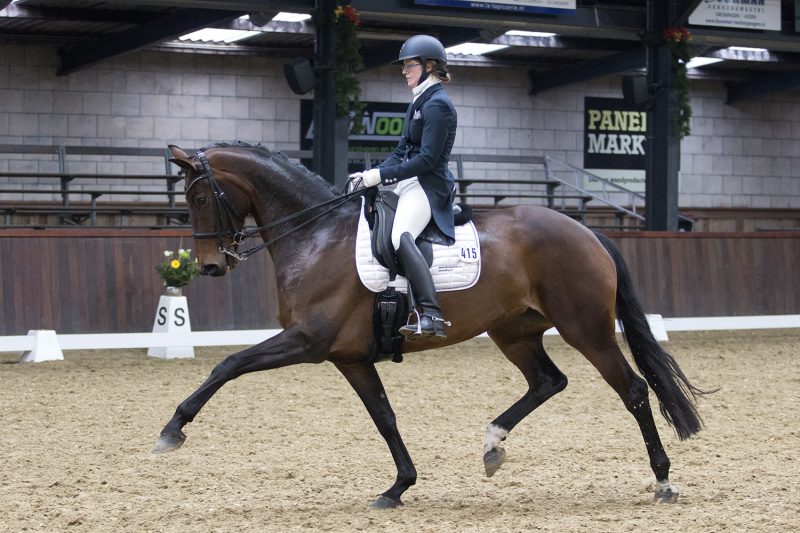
(371, 177)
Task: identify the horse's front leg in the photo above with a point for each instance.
(367, 384)
(287, 348)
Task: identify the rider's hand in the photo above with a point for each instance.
(371, 177)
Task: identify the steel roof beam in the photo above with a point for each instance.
(46, 13)
(604, 20)
(381, 55)
(158, 31)
(766, 84)
(630, 60)
(621, 23)
(297, 6)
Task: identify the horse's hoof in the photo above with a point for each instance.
(384, 502)
(493, 459)
(666, 493)
(168, 442)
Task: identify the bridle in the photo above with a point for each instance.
(224, 212)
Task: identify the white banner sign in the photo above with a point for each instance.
(741, 14)
(522, 6)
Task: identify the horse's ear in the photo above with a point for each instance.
(182, 159)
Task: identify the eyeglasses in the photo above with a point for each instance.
(409, 66)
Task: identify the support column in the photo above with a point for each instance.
(663, 154)
(325, 91)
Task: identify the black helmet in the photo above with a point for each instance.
(424, 47)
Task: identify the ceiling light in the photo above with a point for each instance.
(701, 61)
(523, 33)
(285, 16)
(747, 49)
(218, 35)
(474, 49)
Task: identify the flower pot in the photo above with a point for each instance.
(174, 291)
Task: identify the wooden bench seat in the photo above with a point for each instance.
(497, 197)
(78, 214)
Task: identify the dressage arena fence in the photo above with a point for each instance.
(46, 345)
(99, 288)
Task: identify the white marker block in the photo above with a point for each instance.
(172, 316)
(45, 347)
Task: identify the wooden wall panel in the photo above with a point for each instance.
(84, 281)
(707, 274)
(105, 281)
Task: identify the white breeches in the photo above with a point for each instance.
(413, 211)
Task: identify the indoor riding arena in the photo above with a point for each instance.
(129, 269)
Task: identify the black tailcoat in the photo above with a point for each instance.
(424, 151)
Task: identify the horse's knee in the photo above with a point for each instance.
(227, 369)
(386, 421)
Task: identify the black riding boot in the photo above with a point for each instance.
(419, 277)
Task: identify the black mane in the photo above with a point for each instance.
(296, 170)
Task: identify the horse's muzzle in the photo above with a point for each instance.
(212, 269)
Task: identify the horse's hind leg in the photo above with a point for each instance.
(602, 350)
(521, 342)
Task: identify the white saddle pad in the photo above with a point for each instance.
(454, 267)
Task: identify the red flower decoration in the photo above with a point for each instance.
(350, 13)
(677, 34)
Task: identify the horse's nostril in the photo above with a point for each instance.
(211, 269)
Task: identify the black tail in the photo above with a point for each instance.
(676, 396)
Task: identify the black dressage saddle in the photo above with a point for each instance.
(379, 210)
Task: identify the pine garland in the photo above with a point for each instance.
(677, 40)
(348, 62)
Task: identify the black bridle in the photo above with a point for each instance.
(223, 208)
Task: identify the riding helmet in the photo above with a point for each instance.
(424, 47)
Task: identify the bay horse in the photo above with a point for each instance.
(541, 269)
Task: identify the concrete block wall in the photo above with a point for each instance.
(745, 155)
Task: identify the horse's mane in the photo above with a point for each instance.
(296, 170)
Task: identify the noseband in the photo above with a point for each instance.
(222, 207)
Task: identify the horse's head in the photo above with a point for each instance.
(218, 202)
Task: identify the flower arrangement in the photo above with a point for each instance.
(178, 271)
(348, 62)
(677, 40)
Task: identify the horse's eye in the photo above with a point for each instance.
(200, 200)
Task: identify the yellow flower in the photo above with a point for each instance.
(175, 263)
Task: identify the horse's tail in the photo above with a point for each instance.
(676, 396)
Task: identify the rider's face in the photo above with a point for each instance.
(412, 72)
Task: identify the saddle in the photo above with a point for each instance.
(390, 307)
(379, 210)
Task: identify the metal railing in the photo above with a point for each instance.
(527, 179)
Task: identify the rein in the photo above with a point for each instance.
(221, 205)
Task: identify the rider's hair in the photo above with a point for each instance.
(439, 69)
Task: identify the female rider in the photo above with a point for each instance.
(419, 164)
